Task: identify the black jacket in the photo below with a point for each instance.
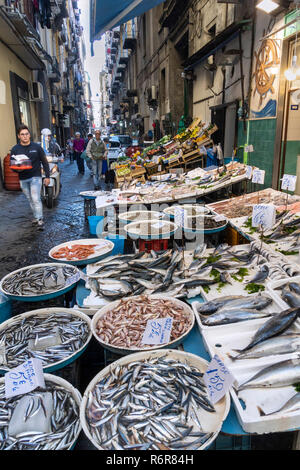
(37, 156)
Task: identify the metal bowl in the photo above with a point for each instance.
(108, 246)
(38, 297)
(123, 351)
(222, 407)
(54, 366)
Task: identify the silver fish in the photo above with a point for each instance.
(277, 324)
(279, 345)
(159, 397)
(281, 374)
(232, 316)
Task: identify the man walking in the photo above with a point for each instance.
(96, 151)
(31, 179)
(78, 147)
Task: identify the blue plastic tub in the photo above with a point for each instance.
(119, 241)
(96, 223)
(5, 308)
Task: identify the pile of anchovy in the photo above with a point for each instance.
(123, 326)
(23, 338)
(65, 422)
(149, 404)
(38, 280)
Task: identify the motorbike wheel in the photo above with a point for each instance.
(50, 197)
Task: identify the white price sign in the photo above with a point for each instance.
(218, 379)
(264, 215)
(249, 172)
(179, 216)
(24, 378)
(158, 331)
(258, 176)
(249, 149)
(289, 182)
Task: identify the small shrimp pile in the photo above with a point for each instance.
(124, 326)
(75, 252)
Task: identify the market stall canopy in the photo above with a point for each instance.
(107, 14)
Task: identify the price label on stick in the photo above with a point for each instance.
(258, 176)
(218, 379)
(249, 172)
(289, 182)
(179, 216)
(264, 215)
(158, 331)
(24, 378)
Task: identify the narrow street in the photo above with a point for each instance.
(22, 244)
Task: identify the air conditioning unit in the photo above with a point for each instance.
(37, 91)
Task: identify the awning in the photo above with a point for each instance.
(107, 14)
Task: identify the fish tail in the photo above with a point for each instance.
(261, 411)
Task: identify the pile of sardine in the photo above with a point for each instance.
(233, 309)
(52, 410)
(50, 338)
(38, 280)
(149, 404)
(148, 273)
(124, 325)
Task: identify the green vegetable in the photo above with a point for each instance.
(288, 253)
(239, 276)
(297, 386)
(206, 289)
(252, 288)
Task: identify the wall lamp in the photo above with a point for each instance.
(269, 6)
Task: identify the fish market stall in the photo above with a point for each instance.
(44, 419)
(162, 377)
(57, 336)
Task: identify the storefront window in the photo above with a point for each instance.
(24, 112)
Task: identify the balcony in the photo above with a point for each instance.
(21, 38)
(124, 57)
(130, 36)
(173, 10)
(54, 73)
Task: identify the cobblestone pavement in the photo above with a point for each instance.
(22, 245)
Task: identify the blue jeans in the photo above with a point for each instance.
(32, 190)
(97, 170)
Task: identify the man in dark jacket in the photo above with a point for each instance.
(31, 179)
(96, 151)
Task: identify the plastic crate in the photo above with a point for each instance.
(155, 245)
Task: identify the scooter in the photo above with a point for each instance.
(51, 192)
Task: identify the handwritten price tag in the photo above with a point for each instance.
(264, 215)
(24, 378)
(179, 216)
(158, 331)
(258, 176)
(289, 182)
(249, 172)
(218, 379)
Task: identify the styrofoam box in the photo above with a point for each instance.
(223, 340)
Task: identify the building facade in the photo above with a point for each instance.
(42, 73)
